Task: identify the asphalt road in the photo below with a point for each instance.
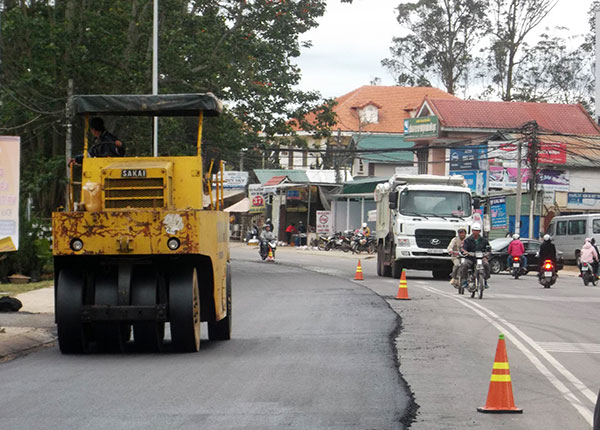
(447, 345)
(309, 351)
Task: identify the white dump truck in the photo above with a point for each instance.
(417, 217)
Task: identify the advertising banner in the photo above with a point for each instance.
(550, 180)
(498, 213)
(583, 201)
(476, 180)
(549, 152)
(324, 222)
(469, 158)
(9, 193)
(257, 199)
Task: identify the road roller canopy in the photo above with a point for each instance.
(148, 105)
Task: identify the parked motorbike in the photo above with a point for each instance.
(476, 275)
(517, 267)
(547, 275)
(265, 247)
(588, 275)
(360, 243)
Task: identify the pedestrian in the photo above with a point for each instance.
(291, 229)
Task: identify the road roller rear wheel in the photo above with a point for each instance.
(184, 309)
(72, 337)
(147, 336)
(110, 336)
(221, 330)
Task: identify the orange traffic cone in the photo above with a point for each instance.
(402, 288)
(359, 275)
(270, 256)
(500, 396)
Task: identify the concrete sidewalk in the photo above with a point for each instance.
(30, 328)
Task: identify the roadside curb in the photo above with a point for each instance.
(19, 340)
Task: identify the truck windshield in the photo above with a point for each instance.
(435, 203)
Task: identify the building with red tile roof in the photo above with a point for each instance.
(488, 115)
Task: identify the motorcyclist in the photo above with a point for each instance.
(265, 237)
(595, 265)
(588, 253)
(366, 231)
(516, 249)
(474, 243)
(454, 250)
(547, 252)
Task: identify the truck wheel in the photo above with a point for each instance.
(184, 309)
(148, 336)
(72, 338)
(396, 269)
(380, 264)
(221, 330)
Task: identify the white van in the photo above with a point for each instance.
(569, 232)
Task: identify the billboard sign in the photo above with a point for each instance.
(233, 179)
(583, 201)
(9, 193)
(257, 199)
(499, 220)
(468, 158)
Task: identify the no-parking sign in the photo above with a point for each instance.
(324, 222)
(257, 198)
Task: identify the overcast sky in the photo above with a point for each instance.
(352, 39)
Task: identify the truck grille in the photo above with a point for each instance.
(440, 238)
(134, 193)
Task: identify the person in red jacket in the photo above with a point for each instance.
(291, 229)
(516, 249)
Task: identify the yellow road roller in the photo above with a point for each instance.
(140, 251)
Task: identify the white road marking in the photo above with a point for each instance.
(581, 348)
(548, 299)
(495, 320)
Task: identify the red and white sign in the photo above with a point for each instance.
(257, 199)
(552, 153)
(324, 222)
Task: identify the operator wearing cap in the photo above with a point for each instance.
(474, 243)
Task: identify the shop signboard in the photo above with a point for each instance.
(583, 201)
(9, 193)
(549, 152)
(257, 198)
(468, 158)
(324, 222)
(233, 179)
(421, 128)
(498, 213)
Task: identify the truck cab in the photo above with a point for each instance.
(417, 217)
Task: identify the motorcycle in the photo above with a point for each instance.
(461, 259)
(265, 247)
(547, 276)
(360, 242)
(476, 275)
(587, 274)
(517, 269)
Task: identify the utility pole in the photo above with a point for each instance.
(597, 12)
(519, 189)
(69, 138)
(530, 130)
(155, 73)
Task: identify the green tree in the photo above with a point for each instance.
(442, 36)
(510, 23)
(555, 71)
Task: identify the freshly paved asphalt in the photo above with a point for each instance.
(309, 351)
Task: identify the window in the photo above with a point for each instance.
(561, 228)
(422, 161)
(576, 227)
(435, 203)
(532, 246)
(596, 226)
(369, 115)
(371, 169)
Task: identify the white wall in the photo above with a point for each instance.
(588, 178)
